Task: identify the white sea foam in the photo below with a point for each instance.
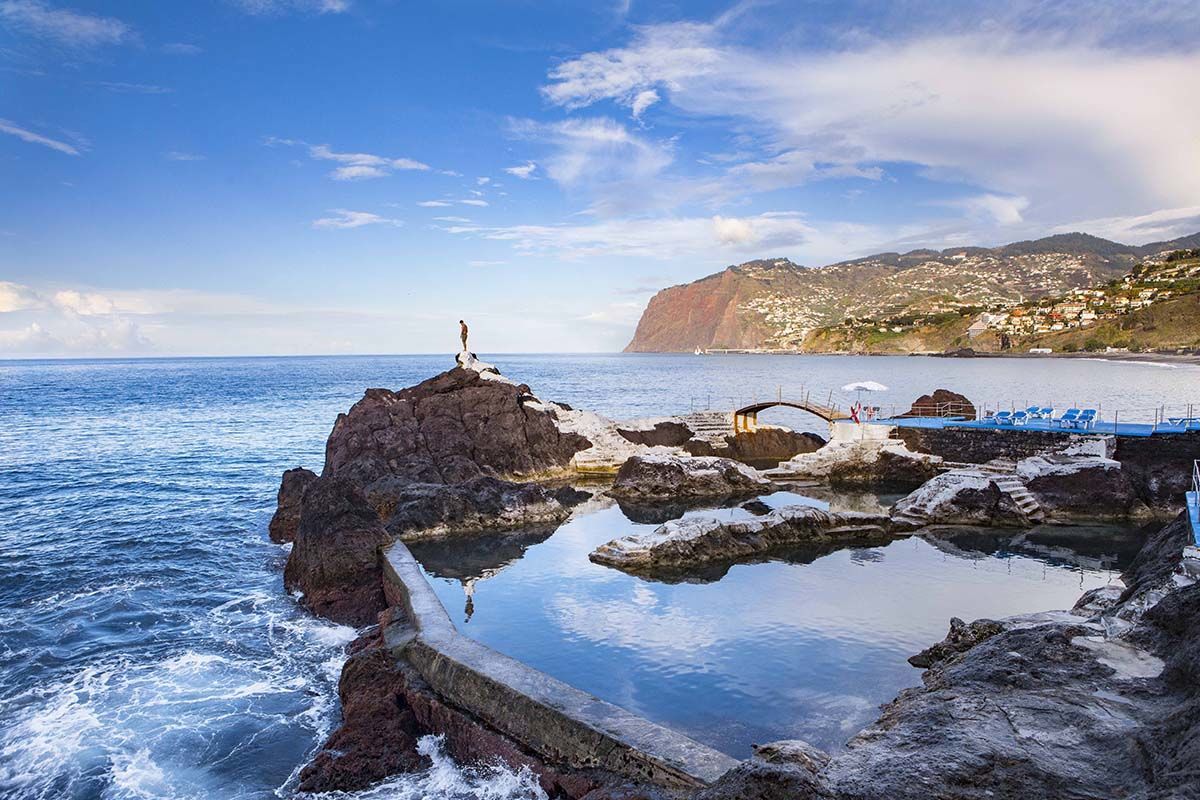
(446, 780)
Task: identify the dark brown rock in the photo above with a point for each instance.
(895, 470)
(423, 510)
(379, 732)
(287, 512)
(334, 561)
(767, 443)
(665, 433)
(668, 477)
(1081, 487)
(961, 638)
(453, 427)
(942, 403)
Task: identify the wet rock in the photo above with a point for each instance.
(378, 734)
(758, 779)
(334, 561)
(691, 543)
(1081, 487)
(765, 443)
(756, 507)
(449, 429)
(430, 510)
(647, 478)
(961, 638)
(959, 497)
(656, 433)
(287, 512)
(942, 403)
(793, 751)
(893, 469)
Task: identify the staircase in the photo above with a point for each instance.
(1027, 504)
(712, 426)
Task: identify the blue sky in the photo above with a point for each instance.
(353, 176)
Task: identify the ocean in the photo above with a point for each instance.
(147, 648)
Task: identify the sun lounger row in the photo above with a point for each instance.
(1071, 418)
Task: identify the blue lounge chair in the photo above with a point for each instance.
(1046, 412)
(1087, 418)
(1068, 418)
(1019, 417)
(1034, 412)
(1003, 418)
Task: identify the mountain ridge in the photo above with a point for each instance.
(775, 303)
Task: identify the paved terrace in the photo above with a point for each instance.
(1100, 427)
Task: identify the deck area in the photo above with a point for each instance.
(1102, 427)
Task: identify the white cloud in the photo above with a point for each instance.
(1066, 124)
(345, 218)
(434, 203)
(355, 166)
(996, 208)
(485, 263)
(643, 100)
(14, 297)
(1158, 226)
(182, 49)
(706, 239)
(452, 219)
(35, 138)
(122, 87)
(179, 155)
(523, 171)
(72, 28)
(482, 181)
(270, 7)
(475, 202)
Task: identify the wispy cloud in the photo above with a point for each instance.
(485, 263)
(474, 202)
(64, 26)
(182, 49)
(435, 203)
(122, 87)
(178, 155)
(354, 166)
(523, 171)
(1162, 225)
(1022, 114)
(270, 7)
(37, 138)
(344, 218)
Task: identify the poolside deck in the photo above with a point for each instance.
(1105, 428)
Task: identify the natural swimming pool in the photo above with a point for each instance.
(804, 645)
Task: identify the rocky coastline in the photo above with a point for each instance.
(1098, 701)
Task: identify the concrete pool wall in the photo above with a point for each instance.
(560, 723)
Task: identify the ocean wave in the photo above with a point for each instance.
(446, 780)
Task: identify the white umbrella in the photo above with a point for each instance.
(863, 386)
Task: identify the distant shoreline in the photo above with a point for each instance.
(1140, 358)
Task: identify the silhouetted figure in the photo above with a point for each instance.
(463, 333)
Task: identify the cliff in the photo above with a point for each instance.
(776, 304)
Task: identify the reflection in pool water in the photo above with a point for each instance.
(806, 645)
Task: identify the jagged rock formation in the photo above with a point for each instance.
(1096, 704)
(686, 544)
(334, 562)
(648, 478)
(774, 303)
(876, 463)
(942, 403)
(287, 511)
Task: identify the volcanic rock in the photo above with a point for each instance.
(656, 433)
(647, 478)
(962, 637)
(942, 403)
(449, 429)
(334, 561)
(959, 497)
(287, 512)
(877, 463)
(764, 443)
(689, 543)
(1081, 487)
(429, 510)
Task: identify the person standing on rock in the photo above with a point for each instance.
(463, 333)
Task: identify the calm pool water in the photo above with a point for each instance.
(147, 648)
(806, 645)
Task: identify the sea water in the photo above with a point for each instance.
(147, 648)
